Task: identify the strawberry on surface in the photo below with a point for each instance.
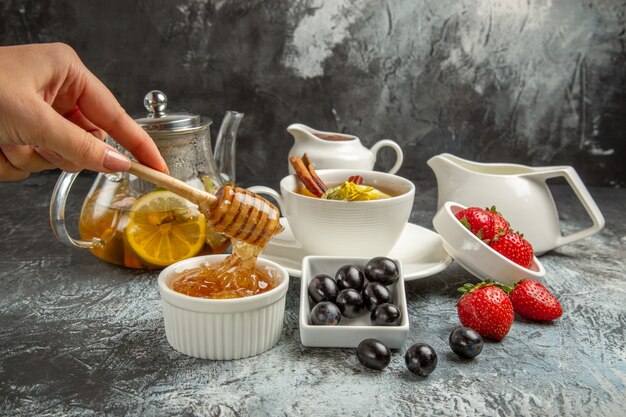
(486, 308)
(533, 301)
(513, 246)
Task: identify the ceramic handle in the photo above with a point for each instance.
(57, 214)
(260, 189)
(585, 198)
(393, 145)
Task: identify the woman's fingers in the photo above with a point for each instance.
(24, 158)
(77, 146)
(8, 172)
(55, 111)
(99, 106)
(57, 160)
(65, 144)
(78, 118)
(34, 159)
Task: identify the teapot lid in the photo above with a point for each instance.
(158, 119)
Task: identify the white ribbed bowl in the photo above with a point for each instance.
(345, 228)
(222, 329)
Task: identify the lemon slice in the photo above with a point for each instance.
(163, 228)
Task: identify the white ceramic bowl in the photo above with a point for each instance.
(222, 329)
(345, 228)
(350, 332)
(475, 255)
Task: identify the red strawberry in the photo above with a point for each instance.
(533, 301)
(484, 223)
(513, 246)
(477, 220)
(500, 225)
(486, 308)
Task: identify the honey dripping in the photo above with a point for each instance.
(236, 276)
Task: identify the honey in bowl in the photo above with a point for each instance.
(206, 282)
(236, 277)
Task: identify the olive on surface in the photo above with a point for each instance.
(421, 359)
(373, 354)
(466, 342)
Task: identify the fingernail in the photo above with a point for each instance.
(115, 161)
(48, 155)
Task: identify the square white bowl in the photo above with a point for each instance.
(350, 332)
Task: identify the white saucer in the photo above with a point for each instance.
(420, 250)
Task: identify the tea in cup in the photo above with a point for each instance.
(345, 228)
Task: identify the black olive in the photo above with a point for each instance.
(375, 294)
(350, 276)
(323, 288)
(383, 270)
(374, 354)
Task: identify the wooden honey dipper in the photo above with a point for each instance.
(233, 211)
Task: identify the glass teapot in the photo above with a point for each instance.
(127, 221)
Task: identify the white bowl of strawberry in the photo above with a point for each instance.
(483, 242)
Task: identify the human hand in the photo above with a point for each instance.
(55, 112)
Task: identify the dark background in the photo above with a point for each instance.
(533, 82)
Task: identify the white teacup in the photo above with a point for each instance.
(345, 228)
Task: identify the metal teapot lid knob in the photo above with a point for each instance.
(156, 103)
(159, 120)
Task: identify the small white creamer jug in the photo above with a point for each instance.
(328, 150)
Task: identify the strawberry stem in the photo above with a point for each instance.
(465, 223)
(469, 287)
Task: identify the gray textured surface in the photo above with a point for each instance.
(531, 81)
(81, 337)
